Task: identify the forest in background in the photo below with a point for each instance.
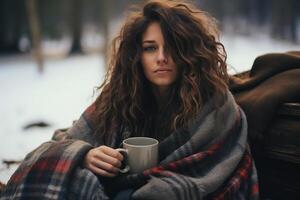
(81, 20)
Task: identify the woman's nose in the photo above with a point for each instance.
(162, 56)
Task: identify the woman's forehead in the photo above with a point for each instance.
(153, 33)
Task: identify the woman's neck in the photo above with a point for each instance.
(162, 95)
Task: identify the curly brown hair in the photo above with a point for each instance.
(126, 99)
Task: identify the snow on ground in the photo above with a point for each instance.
(242, 50)
(58, 96)
(65, 89)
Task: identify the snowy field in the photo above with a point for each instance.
(65, 89)
(58, 96)
(242, 50)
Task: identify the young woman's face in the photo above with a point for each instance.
(159, 67)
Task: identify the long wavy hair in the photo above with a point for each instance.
(126, 99)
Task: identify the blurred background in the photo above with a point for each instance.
(53, 55)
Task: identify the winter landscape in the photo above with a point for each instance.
(66, 88)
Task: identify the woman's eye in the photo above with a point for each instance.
(149, 48)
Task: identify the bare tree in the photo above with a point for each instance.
(35, 33)
(105, 23)
(76, 25)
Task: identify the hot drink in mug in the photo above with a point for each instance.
(140, 153)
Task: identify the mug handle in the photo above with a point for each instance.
(124, 152)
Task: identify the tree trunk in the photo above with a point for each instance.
(105, 22)
(35, 33)
(76, 26)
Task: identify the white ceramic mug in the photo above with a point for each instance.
(140, 153)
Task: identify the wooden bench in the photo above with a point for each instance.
(278, 163)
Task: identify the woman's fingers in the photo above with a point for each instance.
(111, 152)
(101, 172)
(104, 166)
(103, 161)
(109, 159)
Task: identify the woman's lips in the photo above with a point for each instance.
(162, 71)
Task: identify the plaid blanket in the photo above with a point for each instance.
(209, 160)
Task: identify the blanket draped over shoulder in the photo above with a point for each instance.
(208, 160)
(273, 80)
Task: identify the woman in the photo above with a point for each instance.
(169, 59)
(167, 80)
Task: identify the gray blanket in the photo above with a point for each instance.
(209, 160)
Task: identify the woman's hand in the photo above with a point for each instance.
(103, 161)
